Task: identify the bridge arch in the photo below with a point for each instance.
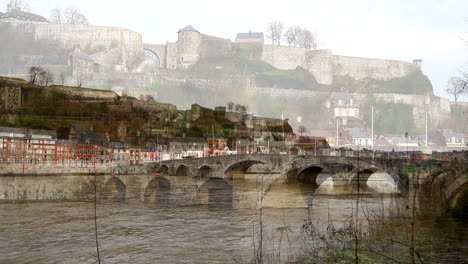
(153, 56)
(457, 193)
(182, 170)
(308, 175)
(158, 191)
(241, 166)
(381, 180)
(164, 169)
(216, 193)
(114, 189)
(204, 171)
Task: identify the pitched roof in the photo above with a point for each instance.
(250, 35)
(44, 132)
(188, 28)
(187, 139)
(356, 132)
(12, 130)
(28, 133)
(21, 15)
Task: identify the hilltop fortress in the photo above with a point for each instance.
(118, 59)
(191, 46)
(113, 49)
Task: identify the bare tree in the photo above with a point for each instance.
(79, 81)
(20, 5)
(306, 39)
(243, 108)
(36, 75)
(62, 78)
(290, 36)
(457, 86)
(275, 32)
(48, 78)
(238, 107)
(149, 98)
(56, 16)
(74, 16)
(230, 106)
(302, 129)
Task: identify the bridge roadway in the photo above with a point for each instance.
(288, 166)
(450, 178)
(238, 179)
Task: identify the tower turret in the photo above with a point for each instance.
(188, 47)
(418, 62)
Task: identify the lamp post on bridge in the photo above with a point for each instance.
(406, 136)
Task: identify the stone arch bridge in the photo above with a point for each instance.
(304, 169)
(283, 167)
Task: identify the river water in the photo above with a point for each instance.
(134, 232)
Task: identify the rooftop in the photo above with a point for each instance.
(21, 15)
(188, 28)
(188, 140)
(356, 132)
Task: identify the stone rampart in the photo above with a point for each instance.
(378, 69)
(85, 92)
(438, 108)
(283, 57)
(83, 36)
(211, 46)
(324, 65)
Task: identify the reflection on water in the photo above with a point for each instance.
(136, 232)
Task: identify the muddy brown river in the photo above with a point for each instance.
(134, 232)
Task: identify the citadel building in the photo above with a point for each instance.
(118, 57)
(114, 50)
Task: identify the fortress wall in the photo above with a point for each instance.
(378, 69)
(438, 109)
(85, 92)
(211, 46)
(160, 50)
(188, 47)
(324, 65)
(319, 62)
(83, 35)
(283, 57)
(171, 55)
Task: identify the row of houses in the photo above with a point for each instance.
(352, 137)
(85, 147)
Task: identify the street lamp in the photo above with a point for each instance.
(427, 101)
(406, 136)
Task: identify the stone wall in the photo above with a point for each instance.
(84, 36)
(211, 46)
(283, 57)
(85, 93)
(438, 109)
(319, 62)
(324, 65)
(378, 69)
(171, 55)
(159, 50)
(188, 46)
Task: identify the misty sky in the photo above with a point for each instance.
(433, 30)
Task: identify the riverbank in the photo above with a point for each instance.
(35, 170)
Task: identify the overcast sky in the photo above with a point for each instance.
(433, 30)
